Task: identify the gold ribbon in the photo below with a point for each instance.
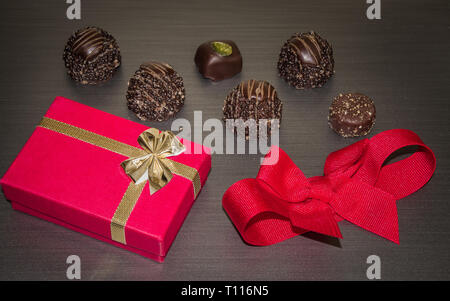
(151, 163)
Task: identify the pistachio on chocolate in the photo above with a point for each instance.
(222, 48)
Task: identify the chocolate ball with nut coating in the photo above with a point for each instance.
(91, 56)
(253, 100)
(352, 114)
(306, 61)
(155, 92)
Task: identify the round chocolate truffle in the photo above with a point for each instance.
(306, 61)
(91, 55)
(352, 115)
(253, 99)
(155, 92)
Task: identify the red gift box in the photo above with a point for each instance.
(69, 181)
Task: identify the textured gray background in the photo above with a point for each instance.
(401, 61)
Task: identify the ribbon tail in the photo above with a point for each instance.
(158, 175)
(369, 208)
(314, 215)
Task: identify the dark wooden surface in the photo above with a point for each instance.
(401, 61)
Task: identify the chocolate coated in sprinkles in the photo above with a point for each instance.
(306, 61)
(352, 115)
(155, 92)
(91, 56)
(253, 99)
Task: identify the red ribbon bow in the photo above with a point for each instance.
(281, 202)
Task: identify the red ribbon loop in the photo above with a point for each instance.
(358, 185)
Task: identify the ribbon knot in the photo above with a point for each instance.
(356, 186)
(317, 188)
(153, 164)
(303, 195)
(321, 189)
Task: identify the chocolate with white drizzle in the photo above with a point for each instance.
(91, 55)
(155, 92)
(253, 99)
(306, 61)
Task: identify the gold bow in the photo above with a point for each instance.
(152, 166)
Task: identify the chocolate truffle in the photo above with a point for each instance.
(352, 115)
(306, 61)
(253, 99)
(91, 55)
(155, 92)
(218, 60)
